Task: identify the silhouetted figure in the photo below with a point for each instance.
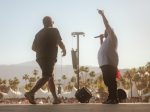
(45, 45)
(108, 60)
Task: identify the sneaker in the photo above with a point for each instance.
(30, 97)
(111, 101)
(57, 101)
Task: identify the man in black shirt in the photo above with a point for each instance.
(45, 45)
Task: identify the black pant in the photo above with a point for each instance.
(47, 66)
(109, 77)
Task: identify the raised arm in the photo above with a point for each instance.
(108, 28)
(62, 46)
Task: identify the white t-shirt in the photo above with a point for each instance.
(107, 54)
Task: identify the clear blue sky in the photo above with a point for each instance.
(20, 20)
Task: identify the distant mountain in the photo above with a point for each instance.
(9, 71)
(18, 70)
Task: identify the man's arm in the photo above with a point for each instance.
(60, 43)
(62, 46)
(108, 28)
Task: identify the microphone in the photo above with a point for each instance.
(97, 36)
(102, 35)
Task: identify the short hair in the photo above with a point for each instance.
(47, 21)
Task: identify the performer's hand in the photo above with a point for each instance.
(100, 11)
(102, 36)
(63, 52)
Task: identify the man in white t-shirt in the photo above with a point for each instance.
(108, 60)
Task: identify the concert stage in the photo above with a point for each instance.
(126, 107)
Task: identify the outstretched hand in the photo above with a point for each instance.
(63, 52)
(100, 11)
(102, 36)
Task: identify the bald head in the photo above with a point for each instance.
(47, 21)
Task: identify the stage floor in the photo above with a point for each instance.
(139, 107)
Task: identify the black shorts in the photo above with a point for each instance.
(47, 66)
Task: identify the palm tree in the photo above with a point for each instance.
(148, 76)
(1, 81)
(35, 73)
(10, 81)
(13, 83)
(100, 83)
(84, 73)
(142, 82)
(148, 67)
(129, 74)
(3, 85)
(73, 80)
(32, 80)
(86, 69)
(4, 81)
(29, 86)
(141, 71)
(64, 78)
(92, 74)
(25, 77)
(87, 83)
(69, 87)
(99, 80)
(148, 87)
(136, 78)
(16, 82)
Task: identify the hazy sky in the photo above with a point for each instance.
(20, 20)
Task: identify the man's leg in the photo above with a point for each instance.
(30, 95)
(105, 74)
(53, 90)
(112, 84)
(45, 77)
(51, 84)
(39, 84)
(109, 76)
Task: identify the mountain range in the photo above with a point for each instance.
(18, 70)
